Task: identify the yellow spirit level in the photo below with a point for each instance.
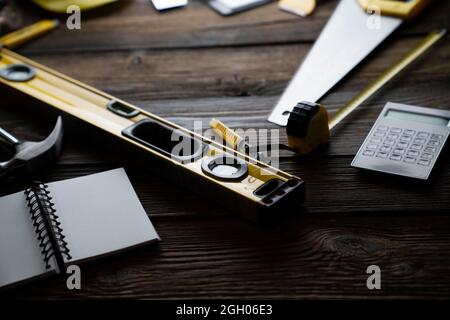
(258, 191)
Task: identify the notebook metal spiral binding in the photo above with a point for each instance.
(47, 227)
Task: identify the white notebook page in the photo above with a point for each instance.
(20, 254)
(100, 214)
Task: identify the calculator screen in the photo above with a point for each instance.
(417, 117)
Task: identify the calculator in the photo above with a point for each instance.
(405, 140)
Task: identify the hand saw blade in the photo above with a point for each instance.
(348, 37)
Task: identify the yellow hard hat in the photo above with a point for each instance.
(60, 6)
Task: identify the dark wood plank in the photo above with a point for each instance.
(241, 88)
(332, 185)
(135, 25)
(225, 258)
(231, 72)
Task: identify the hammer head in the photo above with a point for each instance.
(32, 156)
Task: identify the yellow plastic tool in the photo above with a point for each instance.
(235, 141)
(298, 7)
(402, 9)
(231, 138)
(21, 36)
(60, 6)
(309, 125)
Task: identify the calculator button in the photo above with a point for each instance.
(409, 132)
(402, 145)
(426, 156)
(419, 141)
(368, 153)
(392, 136)
(436, 136)
(395, 157)
(430, 149)
(399, 151)
(382, 128)
(389, 141)
(405, 138)
(416, 147)
(372, 146)
(379, 134)
(375, 140)
(433, 143)
(424, 162)
(423, 135)
(396, 130)
(382, 154)
(413, 153)
(385, 148)
(409, 160)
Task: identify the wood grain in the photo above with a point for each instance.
(230, 72)
(134, 24)
(193, 64)
(242, 90)
(224, 258)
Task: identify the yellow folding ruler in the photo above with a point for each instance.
(21, 36)
(258, 191)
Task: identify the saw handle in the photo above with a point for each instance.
(402, 9)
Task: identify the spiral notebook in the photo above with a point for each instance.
(47, 227)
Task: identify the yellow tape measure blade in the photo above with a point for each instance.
(390, 73)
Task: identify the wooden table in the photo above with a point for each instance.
(192, 64)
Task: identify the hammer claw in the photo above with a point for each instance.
(32, 156)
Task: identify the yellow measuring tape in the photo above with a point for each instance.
(309, 124)
(390, 73)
